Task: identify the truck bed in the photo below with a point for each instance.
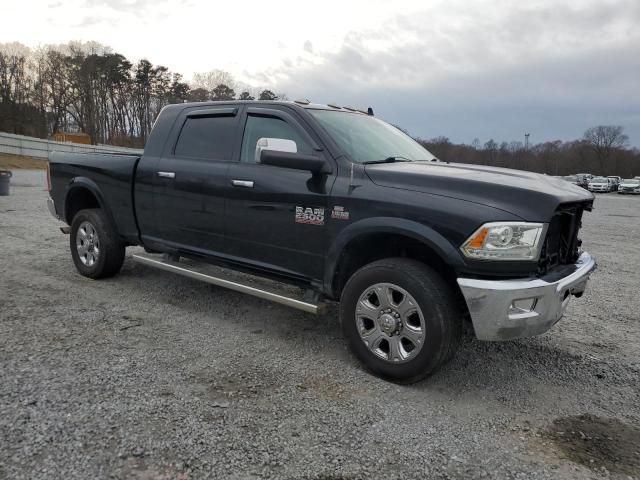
(109, 176)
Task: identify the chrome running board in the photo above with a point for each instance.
(191, 271)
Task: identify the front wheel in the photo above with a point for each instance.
(96, 249)
(400, 319)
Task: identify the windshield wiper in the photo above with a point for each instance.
(388, 160)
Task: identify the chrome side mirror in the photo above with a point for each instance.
(274, 145)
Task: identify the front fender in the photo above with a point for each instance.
(447, 252)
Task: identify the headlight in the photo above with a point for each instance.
(505, 241)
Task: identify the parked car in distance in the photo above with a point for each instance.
(572, 179)
(583, 179)
(630, 185)
(600, 184)
(616, 180)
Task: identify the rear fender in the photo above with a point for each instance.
(87, 184)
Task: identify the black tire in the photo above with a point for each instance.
(436, 300)
(110, 256)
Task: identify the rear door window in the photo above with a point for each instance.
(207, 137)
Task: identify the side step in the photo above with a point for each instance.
(191, 270)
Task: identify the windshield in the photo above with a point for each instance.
(367, 139)
(599, 180)
(632, 181)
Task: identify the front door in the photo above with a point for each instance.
(276, 217)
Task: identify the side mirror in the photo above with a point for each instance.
(283, 153)
(276, 145)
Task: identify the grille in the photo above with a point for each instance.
(562, 245)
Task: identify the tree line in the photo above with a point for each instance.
(603, 150)
(86, 87)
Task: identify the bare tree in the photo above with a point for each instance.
(604, 139)
(210, 80)
(20, 110)
(440, 146)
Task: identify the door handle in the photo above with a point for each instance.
(167, 174)
(242, 183)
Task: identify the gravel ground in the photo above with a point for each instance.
(153, 376)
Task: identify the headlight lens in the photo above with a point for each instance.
(505, 241)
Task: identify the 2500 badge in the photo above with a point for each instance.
(310, 216)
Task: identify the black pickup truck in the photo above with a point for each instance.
(344, 205)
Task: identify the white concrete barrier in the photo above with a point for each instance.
(41, 148)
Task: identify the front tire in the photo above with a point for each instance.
(400, 319)
(96, 248)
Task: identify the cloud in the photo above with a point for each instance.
(486, 68)
(550, 69)
(121, 5)
(93, 20)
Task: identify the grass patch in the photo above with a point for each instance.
(17, 162)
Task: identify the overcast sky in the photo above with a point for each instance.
(459, 68)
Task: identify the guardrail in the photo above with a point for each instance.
(40, 148)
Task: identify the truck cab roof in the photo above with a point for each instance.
(264, 103)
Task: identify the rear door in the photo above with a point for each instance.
(191, 179)
(276, 217)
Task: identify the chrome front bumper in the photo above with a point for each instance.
(508, 309)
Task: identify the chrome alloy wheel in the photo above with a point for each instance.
(390, 322)
(87, 244)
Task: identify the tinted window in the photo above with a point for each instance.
(206, 137)
(268, 127)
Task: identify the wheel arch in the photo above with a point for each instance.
(83, 193)
(375, 238)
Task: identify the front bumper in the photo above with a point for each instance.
(508, 309)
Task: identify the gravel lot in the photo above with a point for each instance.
(153, 376)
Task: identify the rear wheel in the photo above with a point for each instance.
(96, 249)
(400, 319)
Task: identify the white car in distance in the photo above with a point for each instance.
(630, 185)
(600, 184)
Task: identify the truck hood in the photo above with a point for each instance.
(531, 196)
